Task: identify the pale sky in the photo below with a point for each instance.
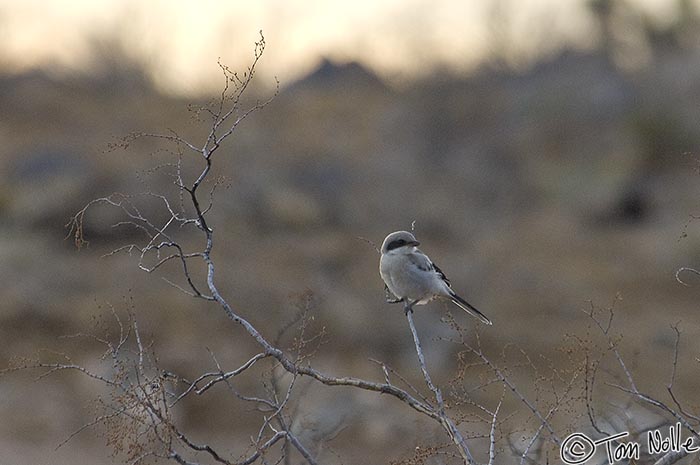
(182, 39)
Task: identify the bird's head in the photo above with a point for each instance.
(399, 241)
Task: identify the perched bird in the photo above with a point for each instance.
(413, 278)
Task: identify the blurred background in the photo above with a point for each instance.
(546, 150)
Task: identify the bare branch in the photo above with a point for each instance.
(683, 270)
(371, 243)
(672, 457)
(611, 344)
(445, 421)
(492, 433)
(222, 376)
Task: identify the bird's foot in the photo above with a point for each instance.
(408, 306)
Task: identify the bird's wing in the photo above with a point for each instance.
(442, 275)
(422, 262)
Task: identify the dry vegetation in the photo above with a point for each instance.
(544, 195)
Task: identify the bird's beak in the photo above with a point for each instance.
(414, 243)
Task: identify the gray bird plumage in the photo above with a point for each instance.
(413, 278)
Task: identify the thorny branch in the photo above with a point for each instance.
(678, 413)
(162, 248)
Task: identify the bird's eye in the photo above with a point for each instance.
(396, 244)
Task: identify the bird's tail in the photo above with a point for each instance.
(469, 308)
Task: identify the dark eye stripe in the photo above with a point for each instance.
(396, 244)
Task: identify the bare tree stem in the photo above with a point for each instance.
(444, 420)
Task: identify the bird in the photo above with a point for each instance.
(413, 278)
